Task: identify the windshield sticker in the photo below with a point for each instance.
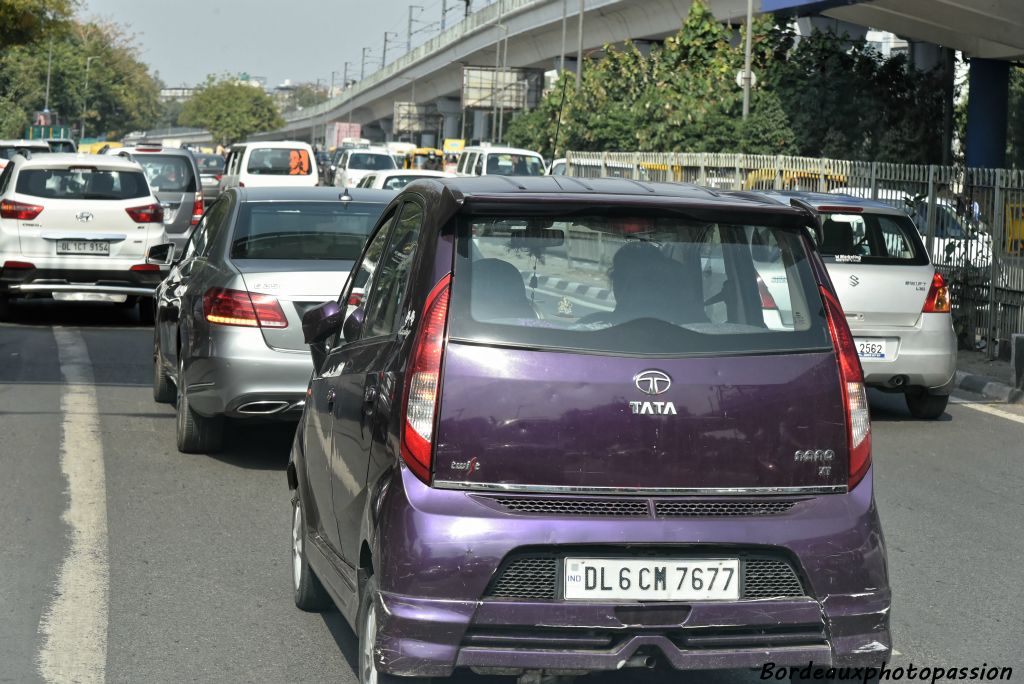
(298, 163)
(848, 258)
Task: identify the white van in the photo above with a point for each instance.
(270, 164)
(499, 161)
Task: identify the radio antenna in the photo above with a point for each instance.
(558, 123)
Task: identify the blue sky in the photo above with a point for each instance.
(301, 40)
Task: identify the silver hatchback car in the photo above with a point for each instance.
(228, 337)
(896, 303)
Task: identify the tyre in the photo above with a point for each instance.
(367, 629)
(163, 388)
(309, 593)
(146, 310)
(196, 434)
(5, 308)
(923, 404)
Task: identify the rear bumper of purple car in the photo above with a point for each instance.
(438, 610)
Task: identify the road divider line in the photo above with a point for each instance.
(73, 628)
(989, 409)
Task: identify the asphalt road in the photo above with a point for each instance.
(196, 575)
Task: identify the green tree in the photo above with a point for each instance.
(306, 95)
(27, 21)
(170, 112)
(230, 110)
(121, 95)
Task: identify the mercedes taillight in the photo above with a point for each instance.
(423, 383)
(223, 306)
(851, 380)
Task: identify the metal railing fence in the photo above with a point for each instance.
(972, 219)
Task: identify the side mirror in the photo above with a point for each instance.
(161, 255)
(353, 325)
(321, 322)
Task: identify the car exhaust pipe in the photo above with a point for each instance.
(262, 408)
(897, 381)
(646, 661)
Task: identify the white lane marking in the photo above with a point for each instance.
(989, 409)
(74, 626)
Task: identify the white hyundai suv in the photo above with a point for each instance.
(76, 227)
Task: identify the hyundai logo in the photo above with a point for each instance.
(652, 382)
(83, 216)
(854, 281)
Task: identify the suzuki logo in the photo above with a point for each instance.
(854, 281)
(652, 382)
(83, 216)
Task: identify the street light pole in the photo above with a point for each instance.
(565, 16)
(579, 51)
(85, 99)
(746, 60)
(49, 64)
(444, 13)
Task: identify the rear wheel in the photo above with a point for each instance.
(5, 307)
(163, 388)
(196, 434)
(924, 404)
(309, 593)
(367, 622)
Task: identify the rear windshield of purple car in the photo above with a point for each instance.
(303, 230)
(635, 285)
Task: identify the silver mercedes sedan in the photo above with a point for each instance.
(227, 342)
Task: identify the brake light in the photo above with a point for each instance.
(150, 213)
(222, 306)
(937, 300)
(841, 210)
(144, 267)
(241, 184)
(20, 211)
(18, 265)
(423, 383)
(218, 177)
(197, 210)
(855, 397)
(767, 301)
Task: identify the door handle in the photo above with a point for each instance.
(331, 394)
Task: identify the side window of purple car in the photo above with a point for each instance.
(385, 298)
(361, 281)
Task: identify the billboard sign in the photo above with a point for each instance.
(802, 6)
(486, 87)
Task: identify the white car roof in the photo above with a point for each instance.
(502, 150)
(274, 144)
(22, 142)
(413, 172)
(106, 162)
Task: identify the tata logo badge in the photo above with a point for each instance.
(652, 382)
(854, 281)
(84, 216)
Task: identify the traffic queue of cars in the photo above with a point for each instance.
(634, 413)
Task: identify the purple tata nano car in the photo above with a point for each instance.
(560, 426)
